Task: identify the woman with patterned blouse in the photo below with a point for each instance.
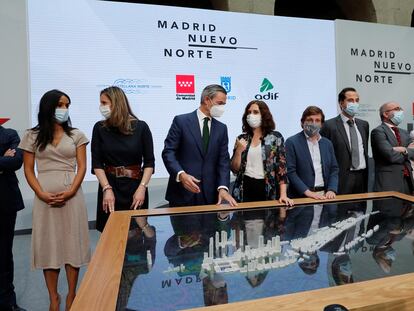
(259, 158)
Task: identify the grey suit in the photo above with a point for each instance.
(389, 164)
(334, 130)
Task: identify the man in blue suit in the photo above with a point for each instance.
(311, 162)
(11, 159)
(196, 154)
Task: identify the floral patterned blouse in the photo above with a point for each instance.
(274, 164)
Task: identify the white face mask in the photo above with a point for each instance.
(61, 115)
(254, 120)
(105, 111)
(217, 111)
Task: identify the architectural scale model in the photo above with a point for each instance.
(179, 268)
(224, 256)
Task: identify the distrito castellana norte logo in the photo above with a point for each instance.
(265, 89)
(185, 87)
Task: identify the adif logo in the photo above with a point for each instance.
(265, 87)
(184, 84)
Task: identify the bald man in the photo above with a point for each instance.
(389, 143)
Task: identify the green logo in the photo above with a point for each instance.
(266, 85)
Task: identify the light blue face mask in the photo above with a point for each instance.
(390, 254)
(397, 117)
(352, 108)
(61, 115)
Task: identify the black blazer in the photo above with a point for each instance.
(11, 198)
(334, 130)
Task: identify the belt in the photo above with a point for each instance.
(317, 189)
(131, 171)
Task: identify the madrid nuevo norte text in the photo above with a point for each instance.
(188, 53)
(205, 39)
(174, 25)
(373, 78)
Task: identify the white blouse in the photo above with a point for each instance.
(254, 165)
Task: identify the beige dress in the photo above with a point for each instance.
(60, 234)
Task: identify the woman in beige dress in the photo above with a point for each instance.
(60, 222)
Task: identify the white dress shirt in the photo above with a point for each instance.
(362, 164)
(201, 116)
(316, 160)
(391, 126)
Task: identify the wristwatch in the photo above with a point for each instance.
(144, 184)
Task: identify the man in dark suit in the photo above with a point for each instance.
(389, 149)
(311, 162)
(196, 154)
(349, 137)
(11, 159)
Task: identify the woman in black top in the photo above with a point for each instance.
(122, 157)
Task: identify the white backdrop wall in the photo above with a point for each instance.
(82, 46)
(378, 60)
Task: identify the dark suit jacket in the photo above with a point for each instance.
(389, 164)
(334, 130)
(301, 173)
(183, 151)
(11, 198)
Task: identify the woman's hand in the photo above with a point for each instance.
(241, 145)
(64, 196)
(50, 199)
(108, 202)
(139, 198)
(284, 199)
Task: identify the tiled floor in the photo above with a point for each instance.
(29, 285)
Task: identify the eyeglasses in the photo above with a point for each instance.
(395, 109)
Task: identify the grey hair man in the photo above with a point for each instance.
(389, 144)
(196, 154)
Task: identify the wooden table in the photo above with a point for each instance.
(99, 288)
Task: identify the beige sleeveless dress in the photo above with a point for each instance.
(60, 234)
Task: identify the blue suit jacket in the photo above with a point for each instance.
(183, 151)
(11, 198)
(301, 173)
